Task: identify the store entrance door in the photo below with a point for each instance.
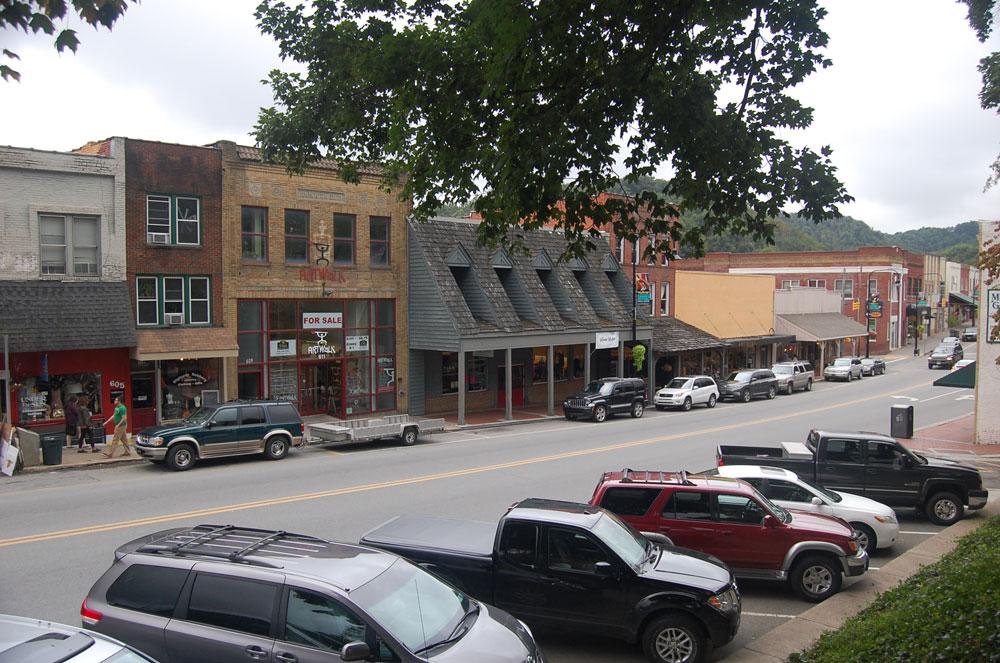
(516, 385)
(322, 389)
(143, 400)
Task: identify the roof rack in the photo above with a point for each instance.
(236, 544)
(656, 477)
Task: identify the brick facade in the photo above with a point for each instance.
(247, 181)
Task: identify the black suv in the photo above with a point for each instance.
(746, 384)
(605, 397)
(234, 428)
(230, 594)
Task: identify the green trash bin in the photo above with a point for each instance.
(52, 446)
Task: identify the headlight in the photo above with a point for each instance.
(727, 601)
(888, 520)
(155, 441)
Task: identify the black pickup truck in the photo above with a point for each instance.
(576, 566)
(873, 465)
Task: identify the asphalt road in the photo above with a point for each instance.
(58, 530)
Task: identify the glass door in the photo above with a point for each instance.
(322, 389)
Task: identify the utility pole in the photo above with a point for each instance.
(635, 295)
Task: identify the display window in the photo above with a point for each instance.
(188, 384)
(43, 398)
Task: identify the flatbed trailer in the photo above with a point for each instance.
(402, 426)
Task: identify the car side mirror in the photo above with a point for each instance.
(907, 462)
(816, 501)
(656, 537)
(355, 651)
(770, 521)
(603, 569)
(208, 424)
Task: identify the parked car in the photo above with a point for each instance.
(962, 363)
(873, 465)
(729, 519)
(235, 428)
(747, 384)
(945, 355)
(230, 594)
(38, 641)
(843, 368)
(683, 392)
(607, 397)
(970, 334)
(578, 567)
(872, 366)
(875, 523)
(793, 375)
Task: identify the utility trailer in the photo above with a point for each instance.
(401, 426)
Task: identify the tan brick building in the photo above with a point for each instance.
(315, 274)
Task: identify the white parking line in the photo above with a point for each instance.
(917, 532)
(767, 614)
(949, 393)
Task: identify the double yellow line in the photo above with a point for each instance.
(303, 497)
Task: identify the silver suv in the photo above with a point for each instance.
(39, 641)
(230, 594)
(793, 375)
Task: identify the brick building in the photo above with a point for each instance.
(315, 284)
(174, 270)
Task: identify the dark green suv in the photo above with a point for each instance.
(234, 428)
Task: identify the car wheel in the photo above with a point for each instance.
(276, 448)
(944, 509)
(866, 537)
(409, 436)
(809, 385)
(711, 401)
(674, 639)
(687, 404)
(790, 389)
(771, 393)
(637, 409)
(745, 395)
(181, 457)
(850, 376)
(816, 578)
(600, 413)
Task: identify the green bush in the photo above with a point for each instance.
(949, 611)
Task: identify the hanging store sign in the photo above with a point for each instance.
(606, 340)
(322, 320)
(642, 294)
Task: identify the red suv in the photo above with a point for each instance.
(729, 519)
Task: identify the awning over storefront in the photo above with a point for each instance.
(964, 378)
(672, 335)
(47, 316)
(763, 339)
(819, 326)
(959, 298)
(185, 343)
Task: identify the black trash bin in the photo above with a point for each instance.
(901, 424)
(52, 446)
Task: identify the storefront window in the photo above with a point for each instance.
(449, 373)
(560, 362)
(476, 373)
(187, 385)
(283, 379)
(478, 369)
(281, 315)
(579, 365)
(39, 399)
(359, 386)
(250, 348)
(249, 316)
(540, 365)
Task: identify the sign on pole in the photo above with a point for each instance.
(606, 340)
(855, 305)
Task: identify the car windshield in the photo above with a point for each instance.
(829, 494)
(415, 607)
(200, 416)
(679, 383)
(842, 362)
(602, 388)
(867, 362)
(783, 370)
(740, 376)
(943, 349)
(622, 538)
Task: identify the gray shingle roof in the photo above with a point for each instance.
(673, 335)
(45, 316)
(819, 326)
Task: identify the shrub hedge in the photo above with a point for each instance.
(948, 611)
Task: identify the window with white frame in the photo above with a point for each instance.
(69, 244)
(173, 296)
(147, 303)
(158, 219)
(845, 287)
(664, 298)
(894, 286)
(173, 220)
(188, 220)
(789, 284)
(872, 287)
(198, 295)
(817, 283)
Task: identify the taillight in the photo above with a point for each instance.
(90, 617)
(719, 462)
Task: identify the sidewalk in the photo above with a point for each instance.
(72, 460)
(954, 436)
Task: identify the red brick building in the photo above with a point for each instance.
(174, 242)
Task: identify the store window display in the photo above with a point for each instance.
(42, 399)
(186, 385)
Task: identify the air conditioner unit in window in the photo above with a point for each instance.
(174, 318)
(158, 238)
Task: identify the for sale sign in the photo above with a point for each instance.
(322, 320)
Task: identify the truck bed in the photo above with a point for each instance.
(471, 538)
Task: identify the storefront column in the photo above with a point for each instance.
(552, 382)
(621, 358)
(461, 386)
(586, 366)
(651, 370)
(822, 353)
(508, 413)
(158, 391)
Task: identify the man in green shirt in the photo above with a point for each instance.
(120, 419)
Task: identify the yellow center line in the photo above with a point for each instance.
(303, 497)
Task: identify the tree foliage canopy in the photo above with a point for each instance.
(41, 16)
(521, 105)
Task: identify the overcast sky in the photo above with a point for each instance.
(899, 106)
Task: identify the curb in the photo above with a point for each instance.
(499, 424)
(39, 469)
(804, 630)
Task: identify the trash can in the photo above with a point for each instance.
(52, 446)
(901, 424)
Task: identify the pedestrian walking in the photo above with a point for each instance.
(86, 425)
(120, 419)
(72, 417)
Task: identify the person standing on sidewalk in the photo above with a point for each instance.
(72, 414)
(120, 418)
(86, 423)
